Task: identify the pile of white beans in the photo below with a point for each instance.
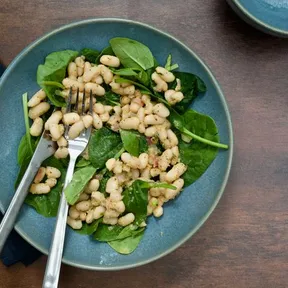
(136, 112)
(51, 174)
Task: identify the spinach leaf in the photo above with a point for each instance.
(106, 51)
(124, 71)
(54, 69)
(191, 86)
(127, 245)
(80, 178)
(196, 155)
(133, 142)
(169, 66)
(103, 145)
(26, 120)
(178, 121)
(132, 54)
(24, 149)
(157, 185)
(145, 90)
(107, 233)
(47, 204)
(135, 199)
(89, 229)
(90, 54)
(110, 98)
(82, 162)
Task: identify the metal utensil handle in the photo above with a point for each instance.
(10, 216)
(53, 265)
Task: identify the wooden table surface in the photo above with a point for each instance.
(245, 242)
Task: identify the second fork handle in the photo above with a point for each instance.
(53, 265)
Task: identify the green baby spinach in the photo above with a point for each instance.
(91, 55)
(110, 98)
(132, 54)
(125, 71)
(54, 70)
(103, 145)
(123, 240)
(169, 66)
(82, 162)
(197, 155)
(127, 245)
(133, 142)
(191, 86)
(47, 204)
(89, 229)
(80, 179)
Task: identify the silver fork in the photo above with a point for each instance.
(75, 148)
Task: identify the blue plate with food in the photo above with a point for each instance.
(269, 16)
(159, 154)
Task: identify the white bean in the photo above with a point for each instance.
(53, 119)
(143, 160)
(115, 196)
(95, 88)
(110, 221)
(90, 216)
(125, 100)
(155, 172)
(141, 128)
(80, 72)
(118, 167)
(155, 192)
(62, 142)
(141, 114)
(83, 197)
(98, 212)
(73, 212)
(161, 110)
(175, 172)
(40, 175)
(99, 108)
(82, 216)
(51, 182)
(106, 73)
(39, 188)
(52, 172)
(186, 138)
(172, 138)
(55, 131)
(126, 220)
(145, 174)
(38, 110)
(150, 131)
(135, 173)
(112, 184)
(76, 129)
(110, 164)
(97, 198)
(173, 98)
(129, 90)
(104, 117)
(153, 120)
(119, 206)
(80, 62)
(131, 123)
(110, 60)
(161, 85)
(165, 159)
(97, 122)
(111, 213)
(87, 66)
(61, 153)
(178, 86)
(166, 75)
(171, 194)
(36, 98)
(87, 120)
(75, 224)
(37, 127)
(83, 206)
(70, 118)
(91, 73)
(92, 186)
(72, 70)
(74, 84)
(158, 211)
(162, 176)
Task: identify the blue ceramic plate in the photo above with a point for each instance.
(270, 16)
(183, 217)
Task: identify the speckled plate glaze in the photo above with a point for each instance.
(182, 217)
(269, 16)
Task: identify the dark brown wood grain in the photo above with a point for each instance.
(245, 242)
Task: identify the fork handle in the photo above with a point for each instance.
(53, 265)
(10, 216)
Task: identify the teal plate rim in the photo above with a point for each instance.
(230, 132)
(261, 24)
